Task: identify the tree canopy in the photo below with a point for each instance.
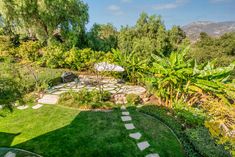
(149, 36)
(102, 37)
(46, 19)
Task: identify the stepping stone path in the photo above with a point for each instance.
(125, 113)
(126, 118)
(137, 135)
(129, 126)
(37, 106)
(152, 155)
(143, 145)
(23, 107)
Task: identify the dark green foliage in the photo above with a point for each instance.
(191, 147)
(11, 88)
(202, 141)
(133, 99)
(55, 81)
(102, 37)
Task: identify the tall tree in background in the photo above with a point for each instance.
(47, 20)
(176, 37)
(220, 49)
(149, 36)
(102, 37)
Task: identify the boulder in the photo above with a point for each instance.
(68, 77)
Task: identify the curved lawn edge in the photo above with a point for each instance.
(16, 150)
(188, 147)
(164, 125)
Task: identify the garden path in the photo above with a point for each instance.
(143, 145)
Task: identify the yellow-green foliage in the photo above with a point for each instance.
(85, 99)
(133, 99)
(29, 50)
(6, 47)
(221, 122)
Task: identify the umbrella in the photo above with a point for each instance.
(104, 66)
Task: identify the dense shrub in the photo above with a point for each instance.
(53, 56)
(11, 88)
(202, 141)
(6, 47)
(189, 116)
(85, 99)
(170, 119)
(29, 50)
(133, 99)
(221, 49)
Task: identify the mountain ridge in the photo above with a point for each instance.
(214, 29)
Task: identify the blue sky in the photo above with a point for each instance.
(173, 12)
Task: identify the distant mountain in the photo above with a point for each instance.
(215, 29)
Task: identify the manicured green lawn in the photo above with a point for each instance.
(54, 131)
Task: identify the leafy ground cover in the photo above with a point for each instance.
(56, 131)
(195, 139)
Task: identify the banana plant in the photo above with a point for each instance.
(135, 68)
(176, 78)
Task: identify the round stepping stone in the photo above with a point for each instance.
(126, 118)
(129, 126)
(125, 113)
(136, 136)
(37, 106)
(59, 86)
(49, 99)
(123, 107)
(153, 155)
(22, 107)
(58, 92)
(143, 145)
(10, 154)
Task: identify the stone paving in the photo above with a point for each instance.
(136, 136)
(114, 86)
(142, 145)
(126, 118)
(23, 107)
(37, 106)
(129, 126)
(49, 99)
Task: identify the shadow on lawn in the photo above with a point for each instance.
(89, 134)
(7, 138)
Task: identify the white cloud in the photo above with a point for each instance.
(114, 9)
(126, 1)
(172, 5)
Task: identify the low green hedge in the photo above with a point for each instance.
(196, 141)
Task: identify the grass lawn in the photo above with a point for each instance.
(54, 131)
